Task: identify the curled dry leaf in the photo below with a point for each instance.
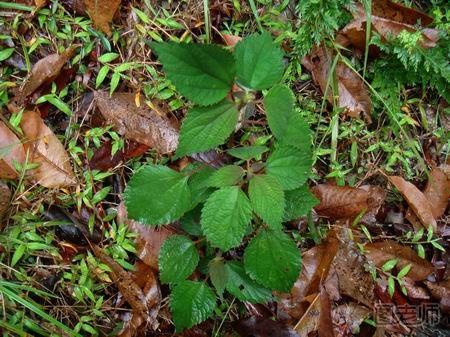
(149, 240)
(337, 202)
(441, 291)
(388, 20)
(44, 70)
(102, 13)
(419, 204)
(11, 150)
(352, 93)
(231, 40)
(141, 124)
(437, 191)
(5, 196)
(325, 328)
(46, 150)
(381, 252)
(141, 301)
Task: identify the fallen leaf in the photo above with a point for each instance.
(231, 40)
(256, 326)
(44, 70)
(102, 159)
(5, 196)
(141, 301)
(309, 322)
(352, 94)
(149, 240)
(46, 150)
(337, 202)
(416, 200)
(441, 291)
(383, 251)
(437, 192)
(348, 317)
(143, 125)
(102, 13)
(11, 150)
(325, 328)
(388, 19)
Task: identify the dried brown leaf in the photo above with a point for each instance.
(231, 40)
(348, 317)
(383, 251)
(416, 200)
(325, 328)
(345, 202)
(437, 192)
(256, 326)
(102, 159)
(11, 150)
(352, 93)
(5, 196)
(141, 124)
(46, 150)
(102, 13)
(388, 20)
(44, 70)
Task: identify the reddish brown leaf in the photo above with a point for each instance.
(416, 200)
(45, 149)
(5, 196)
(352, 93)
(141, 124)
(388, 20)
(441, 291)
(231, 40)
(44, 70)
(149, 240)
(347, 202)
(102, 13)
(256, 326)
(383, 251)
(309, 322)
(11, 150)
(437, 192)
(325, 328)
(102, 159)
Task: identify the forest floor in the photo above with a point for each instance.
(85, 103)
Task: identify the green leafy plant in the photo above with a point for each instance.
(243, 204)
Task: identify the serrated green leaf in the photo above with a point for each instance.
(273, 260)
(389, 265)
(101, 75)
(191, 303)
(267, 198)
(178, 258)
(226, 176)
(241, 286)
(291, 166)
(287, 125)
(202, 73)
(157, 195)
(219, 275)
(298, 202)
(108, 57)
(248, 152)
(259, 62)
(225, 217)
(204, 128)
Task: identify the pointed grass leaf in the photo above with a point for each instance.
(178, 258)
(225, 217)
(248, 152)
(273, 260)
(226, 176)
(202, 73)
(267, 198)
(157, 195)
(298, 203)
(191, 303)
(243, 287)
(259, 62)
(204, 128)
(291, 166)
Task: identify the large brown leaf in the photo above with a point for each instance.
(45, 149)
(352, 93)
(437, 192)
(337, 202)
(419, 204)
(141, 124)
(44, 70)
(102, 12)
(388, 20)
(103, 160)
(5, 195)
(11, 150)
(383, 251)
